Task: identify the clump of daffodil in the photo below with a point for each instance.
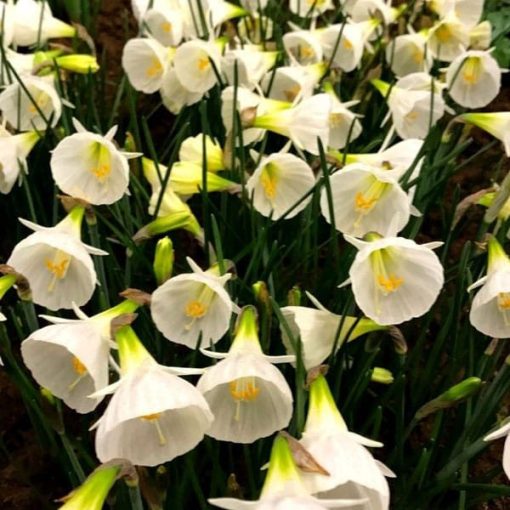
(154, 415)
(248, 396)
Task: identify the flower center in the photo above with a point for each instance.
(154, 419)
(389, 284)
(195, 309)
(155, 69)
(203, 64)
(347, 44)
(102, 166)
(364, 202)
(443, 34)
(387, 280)
(269, 181)
(243, 389)
(80, 369)
(290, 94)
(198, 307)
(336, 119)
(472, 70)
(306, 51)
(418, 56)
(166, 26)
(41, 101)
(57, 267)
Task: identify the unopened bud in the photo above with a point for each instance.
(163, 260)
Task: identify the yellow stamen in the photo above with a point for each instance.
(166, 26)
(412, 116)
(269, 181)
(418, 55)
(290, 94)
(443, 34)
(195, 309)
(390, 283)
(243, 389)
(306, 52)
(203, 63)
(154, 419)
(386, 281)
(471, 70)
(365, 204)
(151, 417)
(41, 101)
(78, 366)
(57, 267)
(336, 119)
(347, 44)
(103, 162)
(155, 68)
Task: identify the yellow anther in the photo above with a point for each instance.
(389, 284)
(244, 389)
(154, 419)
(471, 71)
(504, 301)
(78, 366)
(347, 44)
(155, 69)
(336, 119)
(101, 172)
(443, 34)
(364, 204)
(58, 269)
(203, 63)
(166, 26)
(290, 94)
(102, 166)
(151, 417)
(418, 55)
(412, 115)
(41, 101)
(306, 52)
(195, 309)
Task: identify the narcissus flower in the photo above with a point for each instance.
(317, 330)
(303, 46)
(408, 54)
(278, 183)
(448, 38)
(353, 472)
(248, 396)
(363, 10)
(468, 12)
(192, 151)
(193, 306)
(283, 488)
(366, 199)
(251, 64)
(503, 431)
(174, 95)
(490, 310)
(88, 166)
(306, 8)
(56, 263)
(166, 25)
(14, 150)
(473, 79)
(394, 279)
(497, 124)
(70, 357)
(36, 110)
(34, 22)
(145, 62)
(154, 415)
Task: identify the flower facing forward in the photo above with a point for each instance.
(284, 488)
(394, 279)
(165, 23)
(490, 310)
(448, 38)
(174, 95)
(366, 199)
(497, 124)
(248, 396)
(303, 46)
(56, 263)
(280, 182)
(317, 330)
(88, 166)
(36, 110)
(473, 79)
(154, 415)
(353, 472)
(408, 54)
(193, 306)
(70, 357)
(202, 148)
(502, 431)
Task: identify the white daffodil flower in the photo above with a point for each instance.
(284, 488)
(192, 151)
(292, 83)
(468, 12)
(70, 357)
(344, 43)
(407, 54)
(344, 126)
(503, 431)
(193, 306)
(317, 329)
(480, 36)
(309, 8)
(145, 62)
(34, 22)
(154, 415)
(248, 396)
(496, 123)
(394, 279)
(490, 310)
(88, 166)
(166, 25)
(175, 96)
(473, 79)
(56, 263)
(14, 150)
(193, 64)
(415, 102)
(40, 108)
(251, 63)
(364, 10)
(303, 46)
(448, 38)
(278, 183)
(353, 472)
(366, 199)
(302, 123)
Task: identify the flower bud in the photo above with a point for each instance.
(163, 260)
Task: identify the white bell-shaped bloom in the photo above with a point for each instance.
(497, 124)
(56, 263)
(490, 310)
(480, 36)
(344, 43)
(448, 38)
(407, 54)
(303, 46)
(34, 21)
(303, 124)
(251, 65)
(248, 396)
(309, 8)
(145, 62)
(416, 104)
(284, 488)
(394, 279)
(290, 83)
(366, 199)
(32, 111)
(88, 166)
(353, 472)
(166, 26)
(192, 151)
(174, 95)
(468, 12)
(70, 357)
(280, 181)
(154, 415)
(317, 330)
(193, 64)
(364, 10)
(14, 150)
(473, 79)
(193, 306)
(503, 431)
